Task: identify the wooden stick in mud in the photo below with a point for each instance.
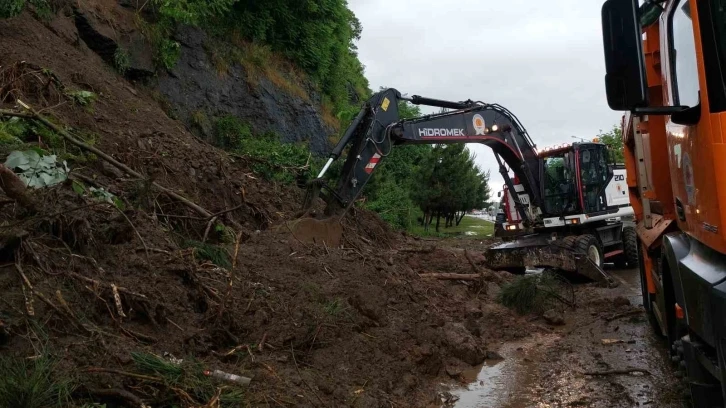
(36, 116)
(452, 276)
(627, 371)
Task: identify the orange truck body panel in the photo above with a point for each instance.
(695, 156)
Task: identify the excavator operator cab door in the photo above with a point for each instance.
(593, 174)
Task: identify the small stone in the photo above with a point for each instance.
(621, 301)
(453, 371)
(554, 317)
(493, 355)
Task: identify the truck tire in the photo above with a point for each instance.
(590, 246)
(630, 246)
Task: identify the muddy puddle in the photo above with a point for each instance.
(509, 382)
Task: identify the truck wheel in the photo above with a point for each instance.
(630, 246)
(590, 246)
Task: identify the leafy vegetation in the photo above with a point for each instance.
(37, 171)
(121, 60)
(212, 253)
(315, 35)
(35, 383)
(268, 155)
(614, 140)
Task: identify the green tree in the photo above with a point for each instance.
(614, 140)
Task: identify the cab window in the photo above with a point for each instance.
(683, 56)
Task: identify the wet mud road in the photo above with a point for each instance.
(605, 355)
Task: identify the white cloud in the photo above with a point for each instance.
(541, 60)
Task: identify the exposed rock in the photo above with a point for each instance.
(463, 345)
(493, 355)
(621, 301)
(194, 89)
(106, 41)
(554, 317)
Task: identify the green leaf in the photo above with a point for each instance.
(79, 187)
(17, 159)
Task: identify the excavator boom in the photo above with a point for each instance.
(564, 188)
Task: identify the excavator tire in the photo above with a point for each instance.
(630, 246)
(589, 245)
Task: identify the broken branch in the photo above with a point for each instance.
(452, 276)
(627, 371)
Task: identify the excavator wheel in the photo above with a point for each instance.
(630, 246)
(589, 245)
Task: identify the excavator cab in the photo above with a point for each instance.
(575, 179)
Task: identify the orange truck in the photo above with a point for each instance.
(666, 68)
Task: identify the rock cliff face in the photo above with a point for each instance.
(193, 88)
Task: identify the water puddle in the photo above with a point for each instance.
(502, 383)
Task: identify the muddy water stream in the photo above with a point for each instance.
(504, 383)
(551, 369)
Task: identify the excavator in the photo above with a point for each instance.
(564, 210)
(666, 69)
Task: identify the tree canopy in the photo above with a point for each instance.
(614, 140)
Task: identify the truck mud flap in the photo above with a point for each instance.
(539, 252)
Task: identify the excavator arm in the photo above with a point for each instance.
(378, 128)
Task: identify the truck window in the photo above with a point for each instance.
(683, 56)
(712, 15)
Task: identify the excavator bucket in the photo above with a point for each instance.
(538, 251)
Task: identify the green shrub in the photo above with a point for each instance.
(229, 132)
(168, 53)
(121, 60)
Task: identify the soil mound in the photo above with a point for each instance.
(136, 298)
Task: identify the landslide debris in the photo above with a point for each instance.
(133, 297)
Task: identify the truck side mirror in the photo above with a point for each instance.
(625, 80)
(499, 194)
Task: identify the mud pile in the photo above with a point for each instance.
(93, 284)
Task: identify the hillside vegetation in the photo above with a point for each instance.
(292, 42)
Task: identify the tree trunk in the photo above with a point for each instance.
(458, 220)
(438, 219)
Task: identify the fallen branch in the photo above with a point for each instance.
(47, 301)
(209, 226)
(123, 373)
(146, 248)
(122, 394)
(14, 188)
(452, 276)
(624, 314)
(117, 300)
(418, 250)
(36, 116)
(101, 284)
(485, 275)
(627, 371)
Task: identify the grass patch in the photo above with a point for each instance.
(212, 253)
(269, 156)
(34, 383)
(259, 61)
(188, 376)
(468, 227)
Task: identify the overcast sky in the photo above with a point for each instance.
(541, 60)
